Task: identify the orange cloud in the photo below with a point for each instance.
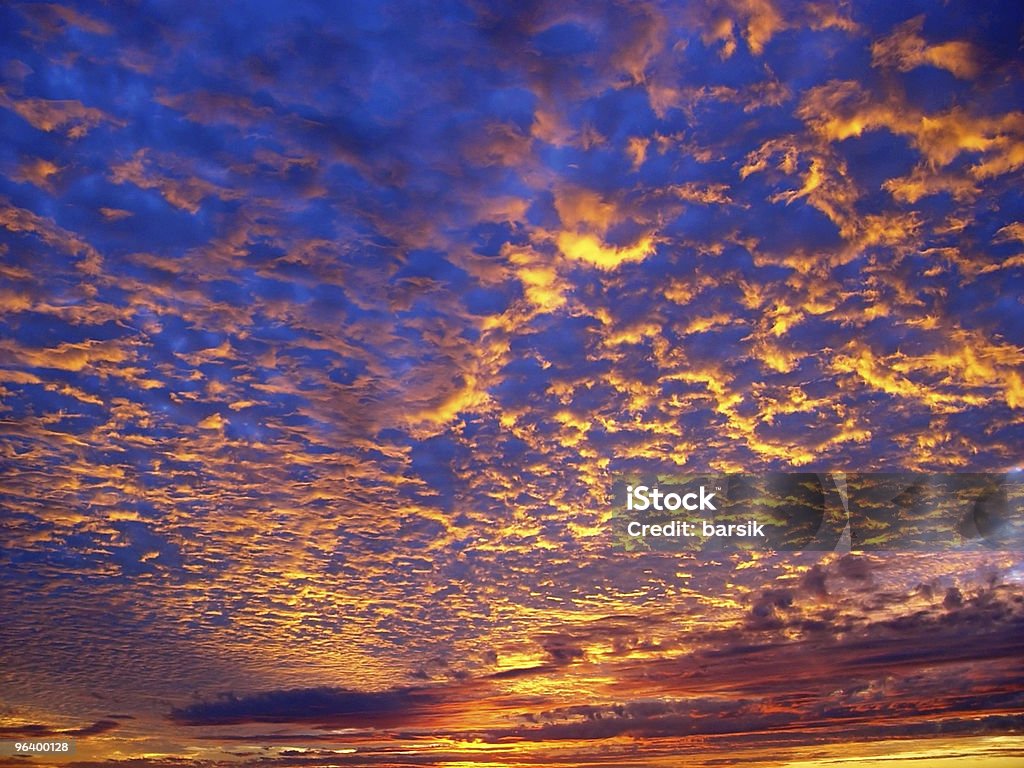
(590, 249)
(53, 18)
(174, 180)
(542, 285)
(48, 115)
(16, 219)
(925, 180)
(636, 150)
(115, 214)
(906, 49)
(586, 217)
(843, 109)
(38, 172)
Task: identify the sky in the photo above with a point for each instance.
(326, 330)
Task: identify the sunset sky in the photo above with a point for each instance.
(327, 328)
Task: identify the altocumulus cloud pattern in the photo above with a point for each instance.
(324, 329)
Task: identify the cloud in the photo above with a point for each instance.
(38, 172)
(171, 178)
(586, 218)
(321, 705)
(52, 19)
(70, 115)
(39, 731)
(906, 49)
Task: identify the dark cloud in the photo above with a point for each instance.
(815, 582)
(856, 567)
(39, 731)
(322, 705)
(769, 607)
